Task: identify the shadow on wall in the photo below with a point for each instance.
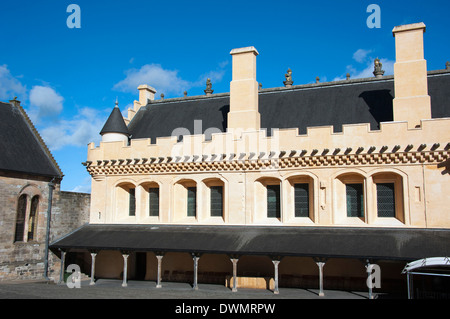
(446, 166)
(380, 103)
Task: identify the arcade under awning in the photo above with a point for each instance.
(330, 242)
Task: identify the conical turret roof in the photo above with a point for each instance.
(115, 123)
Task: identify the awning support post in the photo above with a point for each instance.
(276, 262)
(125, 269)
(93, 255)
(159, 256)
(195, 257)
(234, 261)
(320, 262)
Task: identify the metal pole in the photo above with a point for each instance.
(51, 186)
(407, 285)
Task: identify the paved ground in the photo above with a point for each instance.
(112, 289)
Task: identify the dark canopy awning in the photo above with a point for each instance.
(340, 242)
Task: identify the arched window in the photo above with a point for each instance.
(20, 218)
(215, 197)
(185, 200)
(32, 220)
(267, 200)
(125, 198)
(388, 190)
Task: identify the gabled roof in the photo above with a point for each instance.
(115, 123)
(22, 148)
(335, 103)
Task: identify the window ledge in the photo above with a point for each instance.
(387, 221)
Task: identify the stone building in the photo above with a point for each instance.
(301, 185)
(29, 191)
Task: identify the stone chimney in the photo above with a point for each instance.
(412, 102)
(146, 93)
(244, 113)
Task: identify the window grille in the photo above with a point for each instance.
(273, 201)
(132, 204)
(386, 199)
(153, 201)
(301, 200)
(192, 201)
(216, 201)
(355, 200)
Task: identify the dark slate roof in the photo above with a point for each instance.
(115, 123)
(22, 148)
(333, 103)
(338, 242)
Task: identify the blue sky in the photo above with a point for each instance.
(68, 79)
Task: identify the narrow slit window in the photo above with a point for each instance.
(301, 192)
(20, 219)
(355, 200)
(192, 201)
(153, 201)
(273, 201)
(386, 199)
(32, 221)
(216, 201)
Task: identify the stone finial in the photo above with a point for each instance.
(377, 69)
(447, 65)
(288, 83)
(208, 90)
(185, 93)
(260, 86)
(317, 79)
(14, 101)
(162, 96)
(347, 76)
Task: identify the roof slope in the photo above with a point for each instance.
(334, 103)
(22, 148)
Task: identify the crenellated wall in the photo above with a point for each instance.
(355, 139)
(413, 159)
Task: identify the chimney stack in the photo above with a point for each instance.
(244, 113)
(412, 102)
(146, 93)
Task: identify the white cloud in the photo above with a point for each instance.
(10, 86)
(165, 81)
(45, 101)
(79, 131)
(84, 187)
(367, 61)
(360, 55)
